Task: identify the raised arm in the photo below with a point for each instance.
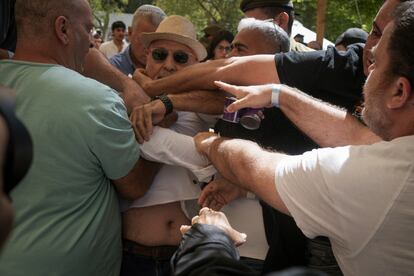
(98, 67)
(248, 70)
(327, 125)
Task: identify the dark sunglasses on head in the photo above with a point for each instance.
(160, 54)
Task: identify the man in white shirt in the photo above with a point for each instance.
(117, 44)
(361, 197)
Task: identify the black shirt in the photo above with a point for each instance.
(8, 32)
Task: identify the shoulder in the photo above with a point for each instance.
(81, 88)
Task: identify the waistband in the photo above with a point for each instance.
(159, 252)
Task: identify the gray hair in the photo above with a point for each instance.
(151, 13)
(276, 37)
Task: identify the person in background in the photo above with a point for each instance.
(117, 44)
(209, 33)
(280, 11)
(314, 45)
(97, 40)
(350, 36)
(220, 45)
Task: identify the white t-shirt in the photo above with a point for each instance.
(109, 49)
(361, 197)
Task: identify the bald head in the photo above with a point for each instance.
(36, 18)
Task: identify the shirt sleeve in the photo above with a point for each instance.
(113, 141)
(332, 76)
(169, 147)
(301, 184)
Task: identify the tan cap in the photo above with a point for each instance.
(179, 29)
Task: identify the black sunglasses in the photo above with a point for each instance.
(160, 54)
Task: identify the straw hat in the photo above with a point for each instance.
(178, 29)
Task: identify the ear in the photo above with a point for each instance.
(402, 94)
(282, 20)
(61, 29)
(129, 31)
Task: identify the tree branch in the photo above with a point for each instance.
(204, 8)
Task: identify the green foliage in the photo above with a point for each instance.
(225, 13)
(340, 15)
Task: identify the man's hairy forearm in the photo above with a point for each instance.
(247, 165)
(208, 102)
(238, 70)
(327, 125)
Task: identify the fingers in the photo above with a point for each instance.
(238, 238)
(147, 124)
(195, 220)
(184, 229)
(232, 89)
(239, 104)
(134, 121)
(141, 124)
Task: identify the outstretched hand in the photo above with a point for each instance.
(218, 193)
(209, 216)
(255, 96)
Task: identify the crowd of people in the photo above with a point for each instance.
(236, 154)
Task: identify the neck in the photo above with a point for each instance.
(34, 53)
(118, 42)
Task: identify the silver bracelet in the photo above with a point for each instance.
(275, 94)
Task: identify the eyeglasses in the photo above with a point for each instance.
(161, 54)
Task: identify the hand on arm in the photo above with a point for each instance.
(327, 125)
(98, 67)
(245, 164)
(211, 217)
(220, 192)
(144, 117)
(137, 182)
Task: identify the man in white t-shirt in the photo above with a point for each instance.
(361, 197)
(117, 44)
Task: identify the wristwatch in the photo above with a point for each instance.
(167, 103)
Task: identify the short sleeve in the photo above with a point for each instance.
(112, 140)
(301, 185)
(332, 76)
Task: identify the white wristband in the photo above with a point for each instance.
(275, 94)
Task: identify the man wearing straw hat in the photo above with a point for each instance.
(151, 223)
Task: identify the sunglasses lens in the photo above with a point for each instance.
(159, 54)
(180, 57)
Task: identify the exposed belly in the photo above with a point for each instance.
(154, 225)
